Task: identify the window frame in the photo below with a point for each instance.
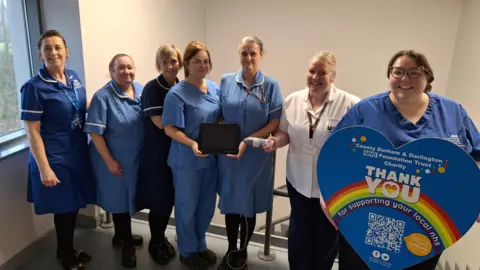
(15, 141)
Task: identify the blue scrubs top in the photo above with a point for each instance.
(245, 185)
(54, 104)
(119, 119)
(186, 107)
(443, 118)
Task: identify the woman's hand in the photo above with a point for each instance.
(241, 149)
(49, 179)
(114, 167)
(271, 145)
(195, 150)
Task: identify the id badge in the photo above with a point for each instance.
(76, 123)
(310, 149)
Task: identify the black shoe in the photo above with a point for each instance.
(71, 263)
(81, 256)
(129, 258)
(209, 257)
(226, 262)
(170, 249)
(158, 253)
(137, 239)
(194, 262)
(236, 260)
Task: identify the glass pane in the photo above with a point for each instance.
(9, 106)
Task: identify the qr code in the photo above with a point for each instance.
(384, 232)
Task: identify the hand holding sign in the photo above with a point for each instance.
(398, 207)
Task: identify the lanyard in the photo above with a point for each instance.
(263, 99)
(313, 126)
(76, 102)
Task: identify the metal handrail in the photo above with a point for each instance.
(266, 254)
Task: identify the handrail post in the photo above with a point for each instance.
(108, 221)
(266, 254)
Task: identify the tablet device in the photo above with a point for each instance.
(219, 138)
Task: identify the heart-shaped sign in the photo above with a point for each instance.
(398, 206)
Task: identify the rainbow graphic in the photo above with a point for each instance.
(432, 212)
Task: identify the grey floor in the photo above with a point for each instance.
(98, 244)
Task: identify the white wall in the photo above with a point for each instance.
(463, 87)
(465, 70)
(363, 34)
(63, 16)
(136, 28)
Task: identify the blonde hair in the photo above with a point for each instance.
(327, 57)
(164, 52)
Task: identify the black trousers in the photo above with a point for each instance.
(65, 228)
(123, 228)
(311, 237)
(349, 259)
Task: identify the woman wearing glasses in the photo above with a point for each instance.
(408, 111)
(254, 102)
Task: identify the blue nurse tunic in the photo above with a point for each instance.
(57, 106)
(119, 119)
(245, 186)
(155, 189)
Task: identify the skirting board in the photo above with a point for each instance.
(259, 238)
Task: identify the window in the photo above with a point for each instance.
(17, 28)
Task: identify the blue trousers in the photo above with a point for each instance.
(311, 239)
(195, 198)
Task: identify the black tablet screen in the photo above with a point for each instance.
(219, 138)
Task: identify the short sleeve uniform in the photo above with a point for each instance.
(443, 119)
(248, 180)
(155, 189)
(186, 107)
(118, 118)
(55, 105)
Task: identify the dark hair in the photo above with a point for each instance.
(114, 58)
(50, 33)
(420, 60)
(192, 49)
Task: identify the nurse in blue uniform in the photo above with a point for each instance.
(115, 124)
(53, 106)
(187, 105)
(409, 111)
(155, 189)
(252, 100)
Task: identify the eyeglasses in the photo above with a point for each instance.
(412, 73)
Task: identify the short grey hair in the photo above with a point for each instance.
(256, 40)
